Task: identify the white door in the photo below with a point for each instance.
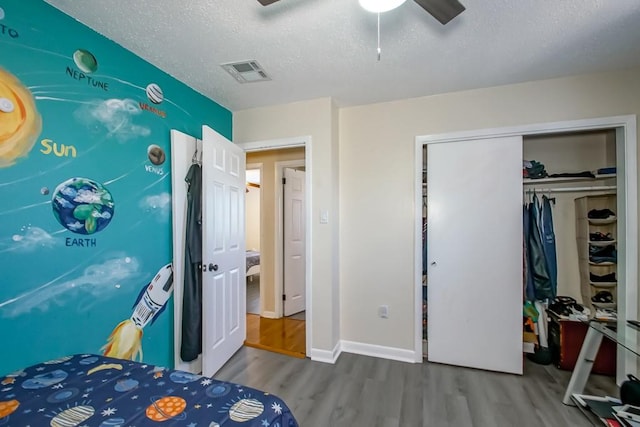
(294, 242)
(475, 253)
(223, 250)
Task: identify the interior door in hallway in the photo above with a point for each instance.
(294, 241)
(223, 250)
(475, 253)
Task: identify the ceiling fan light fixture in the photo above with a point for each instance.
(379, 6)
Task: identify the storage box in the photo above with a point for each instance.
(565, 342)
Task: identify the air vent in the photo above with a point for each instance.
(246, 71)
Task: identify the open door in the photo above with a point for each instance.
(223, 250)
(294, 242)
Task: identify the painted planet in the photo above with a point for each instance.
(1, 13)
(218, 390)
(85, 61)
(154, 93)
(44, 191)
(73, 416)
(20, 122)
(245, 410)
(8, 407)
(166, 408)
(126, 385)
(112, 422)
(88, 360)
(45, 380)
(62, 395)
(57, 361)
(156, 154)
(181, 377)
(82, 206)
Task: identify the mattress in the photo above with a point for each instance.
(92, 390)
(253, 258)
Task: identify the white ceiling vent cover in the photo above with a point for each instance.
(246, 71)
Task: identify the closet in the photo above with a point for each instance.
(474, 197)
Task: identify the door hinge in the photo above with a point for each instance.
(284, 297)
(284, 181)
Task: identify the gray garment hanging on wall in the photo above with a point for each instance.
(191, 345)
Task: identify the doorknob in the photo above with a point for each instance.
(213, 267)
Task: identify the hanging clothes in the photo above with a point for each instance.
(549, 244)
(529, 291)
(537, 262)
(191, 345)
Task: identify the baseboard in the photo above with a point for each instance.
(269, 314)
(326, 356)
(382, 352)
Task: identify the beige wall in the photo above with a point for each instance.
(368, 178)
(377, 145)
(269, 215)
(319, 120)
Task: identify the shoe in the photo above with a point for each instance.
(602, 297)
(600, 237)
(600, 213)
(611, 277)
(608, 250)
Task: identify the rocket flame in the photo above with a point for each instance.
(125, 342)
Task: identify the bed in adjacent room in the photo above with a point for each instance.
(253, 263)
(92, 390)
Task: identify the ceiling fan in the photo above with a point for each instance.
(443, 10)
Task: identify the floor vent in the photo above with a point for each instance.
(246, 71)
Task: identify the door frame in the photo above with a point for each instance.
(278, 144)
(254, 166)
(279, 229)
(626, 162)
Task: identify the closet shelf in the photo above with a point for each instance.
(608, 305)
(529, 181)
(602, 221)
(603, 284)
(602, 242)
(602, 264)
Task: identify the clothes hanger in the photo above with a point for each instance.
(196, 159)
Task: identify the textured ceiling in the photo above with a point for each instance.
(327, 48)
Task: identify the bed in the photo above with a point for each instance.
(253, 263)
(92, 390)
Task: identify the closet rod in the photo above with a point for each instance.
(570, 189)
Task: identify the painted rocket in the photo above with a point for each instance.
(153, 298)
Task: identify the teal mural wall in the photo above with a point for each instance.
(85, 190)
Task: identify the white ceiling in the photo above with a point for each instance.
(327, 48)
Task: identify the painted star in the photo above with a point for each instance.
(206, 381)
(85, 395)
(57, 386)
(265, 423)
(27, 411)
(109, 399)
(276, 408)
(40, 369)
(134, 397)
(192, 425)
(41, 410)
(197, 406)
(209, 405)
(109, 411)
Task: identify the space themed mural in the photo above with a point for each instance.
(85, 218)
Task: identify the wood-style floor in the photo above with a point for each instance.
(285, 335)
(366, 391)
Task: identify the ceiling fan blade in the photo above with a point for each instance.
(267, 2)
(443, 10)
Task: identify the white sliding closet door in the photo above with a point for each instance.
(475, 253)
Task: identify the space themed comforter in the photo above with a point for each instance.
(91, 390)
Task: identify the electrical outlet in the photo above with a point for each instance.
(383, 311)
